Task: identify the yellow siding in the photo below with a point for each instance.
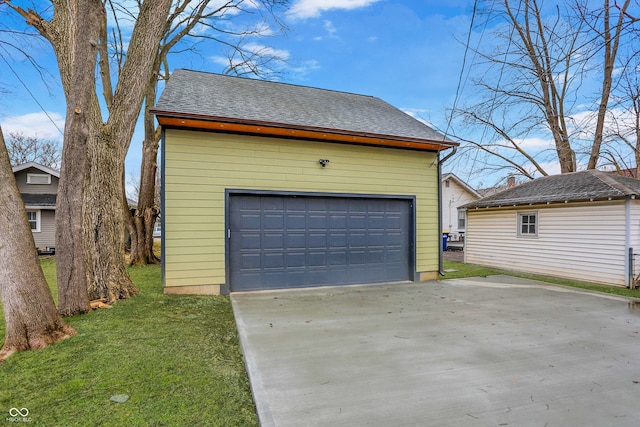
(200, 166)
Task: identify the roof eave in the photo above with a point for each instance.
(219, 124)
(506, 204)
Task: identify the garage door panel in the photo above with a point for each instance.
(317, 259)
(297, 241)
(317, 240)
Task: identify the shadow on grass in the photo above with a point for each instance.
(176, 357)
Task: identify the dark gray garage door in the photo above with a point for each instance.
(300, 241)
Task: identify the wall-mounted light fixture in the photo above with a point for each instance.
(324, 162)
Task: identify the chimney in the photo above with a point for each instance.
(511, 181)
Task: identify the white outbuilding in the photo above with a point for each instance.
(580, 226)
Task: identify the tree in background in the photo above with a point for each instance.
(547, 75)
(86, 36)
(185, 25)
(23, 149)
(95, 141)
(32, 320)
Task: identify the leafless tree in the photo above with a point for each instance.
(535, 77)
(197, 21)
(95, 141)
(23, 149)
(32, 320)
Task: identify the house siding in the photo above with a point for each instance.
(200, 166)
(580, 242)
(23, 187)
(452, 197)
(47, 235)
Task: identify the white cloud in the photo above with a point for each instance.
(302, 9)
(305, 68)
(35, 124)
(256, 49)
(331, 29)
(533, 143)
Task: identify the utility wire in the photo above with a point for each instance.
(464, 61)
(31, 93)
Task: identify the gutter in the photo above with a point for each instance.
(440, 251)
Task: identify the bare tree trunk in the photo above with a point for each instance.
(32, 320)
(104, 222)
(611, 44)
(74, 35)
(147, 210)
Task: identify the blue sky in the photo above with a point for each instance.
(407, 52)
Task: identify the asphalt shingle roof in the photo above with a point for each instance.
(577, 186)
(42, 200)
(209, 96)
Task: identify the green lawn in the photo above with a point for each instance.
(176, 357)
(461, 270)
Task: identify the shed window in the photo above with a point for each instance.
(34, 220)
(528, 224)
(38, 178)
(462, 219)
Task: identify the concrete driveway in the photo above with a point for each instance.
(471, 352)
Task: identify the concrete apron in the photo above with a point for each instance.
(496, 351)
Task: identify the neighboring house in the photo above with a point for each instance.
(38, 186)
(579, 226)
(269, 185)
(490, 191)
(455, 193)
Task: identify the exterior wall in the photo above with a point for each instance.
(199, 166)
(575, 241)
(46, 237)
(23, 187)
(634, 236)
(452, 197)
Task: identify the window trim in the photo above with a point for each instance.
(536, 223)
(463, 219)
(30, 175)
(38, 220)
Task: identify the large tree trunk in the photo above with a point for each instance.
(103, 221)
(32, 320)
(147, 210)
(74, 36)
(103, 225)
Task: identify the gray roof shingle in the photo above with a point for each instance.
(39, 200)
(209, 96)
(577, 186)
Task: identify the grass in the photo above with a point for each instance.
(176, 357)
(462, 270)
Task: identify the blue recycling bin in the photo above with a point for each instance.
(445, 239)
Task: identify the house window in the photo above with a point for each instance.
(38, 178)
(446, 183)
(528, 224)
(462, 219)
(34, 220)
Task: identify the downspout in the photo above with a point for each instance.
(440, 252)
(628, 251)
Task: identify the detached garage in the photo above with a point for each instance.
(269, 185)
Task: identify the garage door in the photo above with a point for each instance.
(300, 241)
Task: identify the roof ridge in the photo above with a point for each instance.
(279, 83)
(610, 180)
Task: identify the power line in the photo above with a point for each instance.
(31, 94)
